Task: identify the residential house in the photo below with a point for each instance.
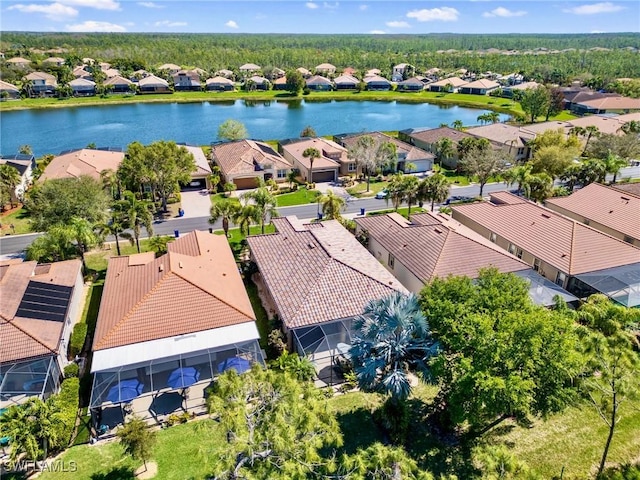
(82, 87)
(112, 72)
(257, 82)
(607, 105)
(333, 159)
(249, 69)
(509, 90)
(410, 85)
(53, 61)
(449, 85)
(186, 80)
(80, 72)
(224, 73)
(516, 141)
(220, 84)
(575, 96)
(85, 161)
(401, 72)
(346, 82)
(614, 212)
(436, 246)
(42, 84)
(88, 61)
(243, 161)
(104, 66)
(8, 91)
(317, 278)
(153, 84)
(305, 73)
(373, 72)
(40, 305)
(170, 68)
(479, 87)
(200, 177)
(349, 71)
(280, 83)
(19, 62)
(325, 69)
(605, 123)
(565, 251)
(377, 83)
(427, 139)
(433, 72)
(422, 160)
(168, 324)
(118, 85)
(277, 73)
(633, 188)
(24, 164)
(139, 74)
(319, 83)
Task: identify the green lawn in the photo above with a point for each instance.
(262, 319)
(360, 189)
(404, 211)
(97, 261)
(236, 236)
(19, 219)
(299, 197)
(221, 197)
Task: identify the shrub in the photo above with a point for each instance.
(276, 343)
(78, 337)
(66, 404)
(71, 371)
(299, 367)
(306, 91)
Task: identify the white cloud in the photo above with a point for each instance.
(93, 26)
(311, 5)
(363, 7)
(231, 24)
(150, 5)
(331, 6)
(396, 24)
(53, 11)
(504, 12)
(377, 32)
(97, 4)
(444, 14)
(169, 23)
(597, 31)
(594, 8)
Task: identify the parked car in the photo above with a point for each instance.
(382, 194)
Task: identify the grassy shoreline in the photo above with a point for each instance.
(471, 101)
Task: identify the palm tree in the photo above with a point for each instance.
(265, 203)
(311, 153)
(391, 337)
(227, 210)
(493, 117)
(410, 188)
(613, 163)
(538, 187)
(245, 216)
(519, 174)
(158, 244)
(292, 177)
(9, 179)
(116, 225)
(457, 124)
(83, 233)
(395, 190)
(483, 118)
(111, 181)
(444, 149)
(435, 189)
(331, 205)
(138, 215)
(632, 126)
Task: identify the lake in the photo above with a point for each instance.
(56, 130)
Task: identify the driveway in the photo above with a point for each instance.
(196, 203)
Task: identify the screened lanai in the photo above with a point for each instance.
(620, 284)
(543, 291)
(326, 345)
(21, 380)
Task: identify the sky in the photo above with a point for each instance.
(314, 16)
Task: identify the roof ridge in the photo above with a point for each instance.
(444, 244)
(132, 310)
(215, 296)
(30, 336)
(573, 241)
(361, 272)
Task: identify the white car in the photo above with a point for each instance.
(382, 194)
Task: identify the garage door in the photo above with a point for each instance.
(244, 183)
(195, 184)
(324, 176)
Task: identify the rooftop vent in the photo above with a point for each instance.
(161, 267)
(546, 216)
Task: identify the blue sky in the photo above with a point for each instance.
(346, 16)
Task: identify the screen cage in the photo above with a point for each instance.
(21, 380)
(620, 284)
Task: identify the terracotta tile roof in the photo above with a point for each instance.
(219, 81)
(152, 81)
(324, 146)
(456, 82)
(503, 134)
(326, 67)
(18, 60)
(482, 83)
(319, 272)
(249, 67)
(195, 286)
(432, 246)
(23, 337)
(117, 80)
(633, 188)
(240, 158)
(609, 207)
(318, 80)
(8, 86)
(403, 148)
(613, 103)
(432, 135)
(48, 78)
(82, 162)
(569, 246)
(202, 164)
(169, 66)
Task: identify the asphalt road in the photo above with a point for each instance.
(12, 244)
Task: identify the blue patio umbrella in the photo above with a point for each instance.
(125, 391)
(240, 365)
(183, 377)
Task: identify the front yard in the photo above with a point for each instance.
(301, 196)
(17, 217)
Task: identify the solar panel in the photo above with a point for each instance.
(266, 149)
(44, 301)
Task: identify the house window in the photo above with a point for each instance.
(520, 151)
(512, 249)
(282, 173)
(560, 278)
(519, 253)
(352, 167)
(493, 237)
(391, 261)
(536, 264)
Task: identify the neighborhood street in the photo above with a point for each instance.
(12, 244)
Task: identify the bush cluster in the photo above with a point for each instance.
(78, 337)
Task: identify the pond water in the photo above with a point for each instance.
(56, 130)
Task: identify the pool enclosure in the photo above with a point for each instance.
(27, 378)
(620, 284)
